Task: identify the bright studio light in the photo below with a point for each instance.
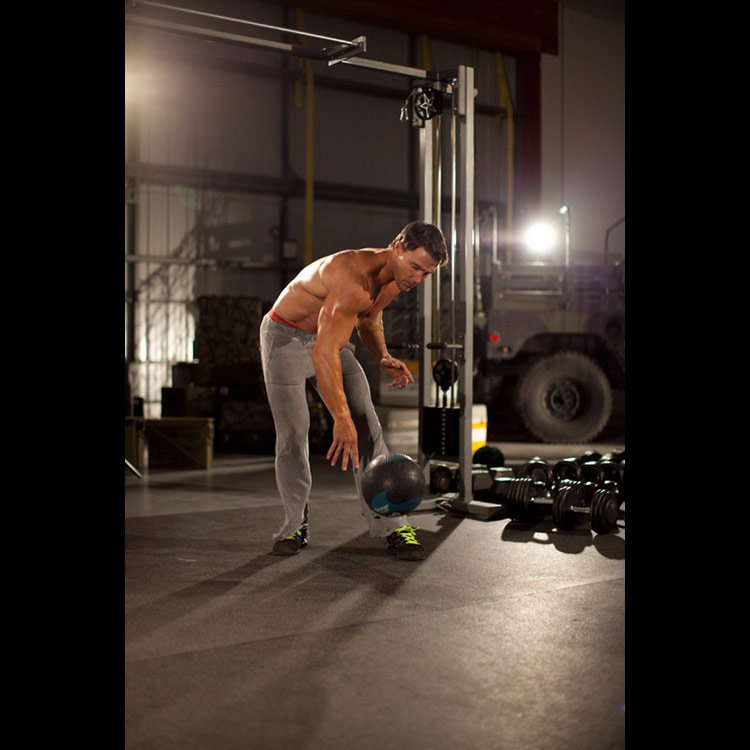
(540, 238)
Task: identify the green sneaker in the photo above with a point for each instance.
(403, 542)
(291, 545)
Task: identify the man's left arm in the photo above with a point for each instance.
(372, 335)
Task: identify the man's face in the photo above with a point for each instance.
(412, 267)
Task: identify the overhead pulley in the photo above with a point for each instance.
(423, 103)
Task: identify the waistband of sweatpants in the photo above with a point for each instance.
(276, 319)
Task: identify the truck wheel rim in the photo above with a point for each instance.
(563, 399)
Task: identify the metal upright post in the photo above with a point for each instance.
(464, 103)
(425, 289)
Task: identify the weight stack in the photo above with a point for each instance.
(441, 426)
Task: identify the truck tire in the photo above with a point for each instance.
(564, 398)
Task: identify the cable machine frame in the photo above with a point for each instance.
(456, 86)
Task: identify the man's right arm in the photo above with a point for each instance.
(335, 325)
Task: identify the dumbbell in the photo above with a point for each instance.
(604, 472)
(614, 477)
(575, 501)
(616, 456)
(588, 487)
(444, 478)
(543, 479)
(614, 465)
(486, 463)
(489, 455)
(587, 477)
(577, 470)
(525, 498)
(539, 470)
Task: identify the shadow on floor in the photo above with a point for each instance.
(569, 542)
(362, 561)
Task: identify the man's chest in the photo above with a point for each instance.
(384, 296)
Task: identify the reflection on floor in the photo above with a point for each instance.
(507, 636)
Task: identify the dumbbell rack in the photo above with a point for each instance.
(574, 490)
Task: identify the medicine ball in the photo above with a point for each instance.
(393, 484)
(489, 456)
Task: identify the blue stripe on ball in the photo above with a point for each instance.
(380, 502)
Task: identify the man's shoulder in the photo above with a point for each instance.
(350, 266)
(348, 282)
(360, 259)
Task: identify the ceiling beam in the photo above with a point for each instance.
(508, 26)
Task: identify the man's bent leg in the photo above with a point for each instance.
(370, 441)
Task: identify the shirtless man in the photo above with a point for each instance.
(305, 337)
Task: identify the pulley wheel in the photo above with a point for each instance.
(445, 373)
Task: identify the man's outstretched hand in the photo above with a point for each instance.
(397, 370)
(344, 443)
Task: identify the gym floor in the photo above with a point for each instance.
(507, 636)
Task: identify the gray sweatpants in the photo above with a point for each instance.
(287, 366)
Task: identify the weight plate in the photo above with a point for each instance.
(539, 470)
(565, 499)
(589, 456)
(611, 471)
(568, 468)
(488, 455)
(592, 472)
(441, 479)
(604, 511)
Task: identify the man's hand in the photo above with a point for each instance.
(397, 370)
(344, 442)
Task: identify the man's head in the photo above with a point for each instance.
(421, 234)
(418, 249)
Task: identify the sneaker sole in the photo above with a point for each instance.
(285, 553)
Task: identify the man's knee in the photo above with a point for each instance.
(292, 442)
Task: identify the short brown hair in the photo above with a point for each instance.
(421, 234)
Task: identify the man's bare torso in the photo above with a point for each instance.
(302, 299)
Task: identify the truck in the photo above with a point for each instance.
(550, 347)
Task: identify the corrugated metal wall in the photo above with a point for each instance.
(216, 142)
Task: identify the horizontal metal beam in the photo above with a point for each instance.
(345, 52)
(201, 179)
(210, 263)
(217, 62)
(384, 67)
(165, 6)
(338, 54)
(170, 260)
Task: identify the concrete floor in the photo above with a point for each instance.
(507, 636)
